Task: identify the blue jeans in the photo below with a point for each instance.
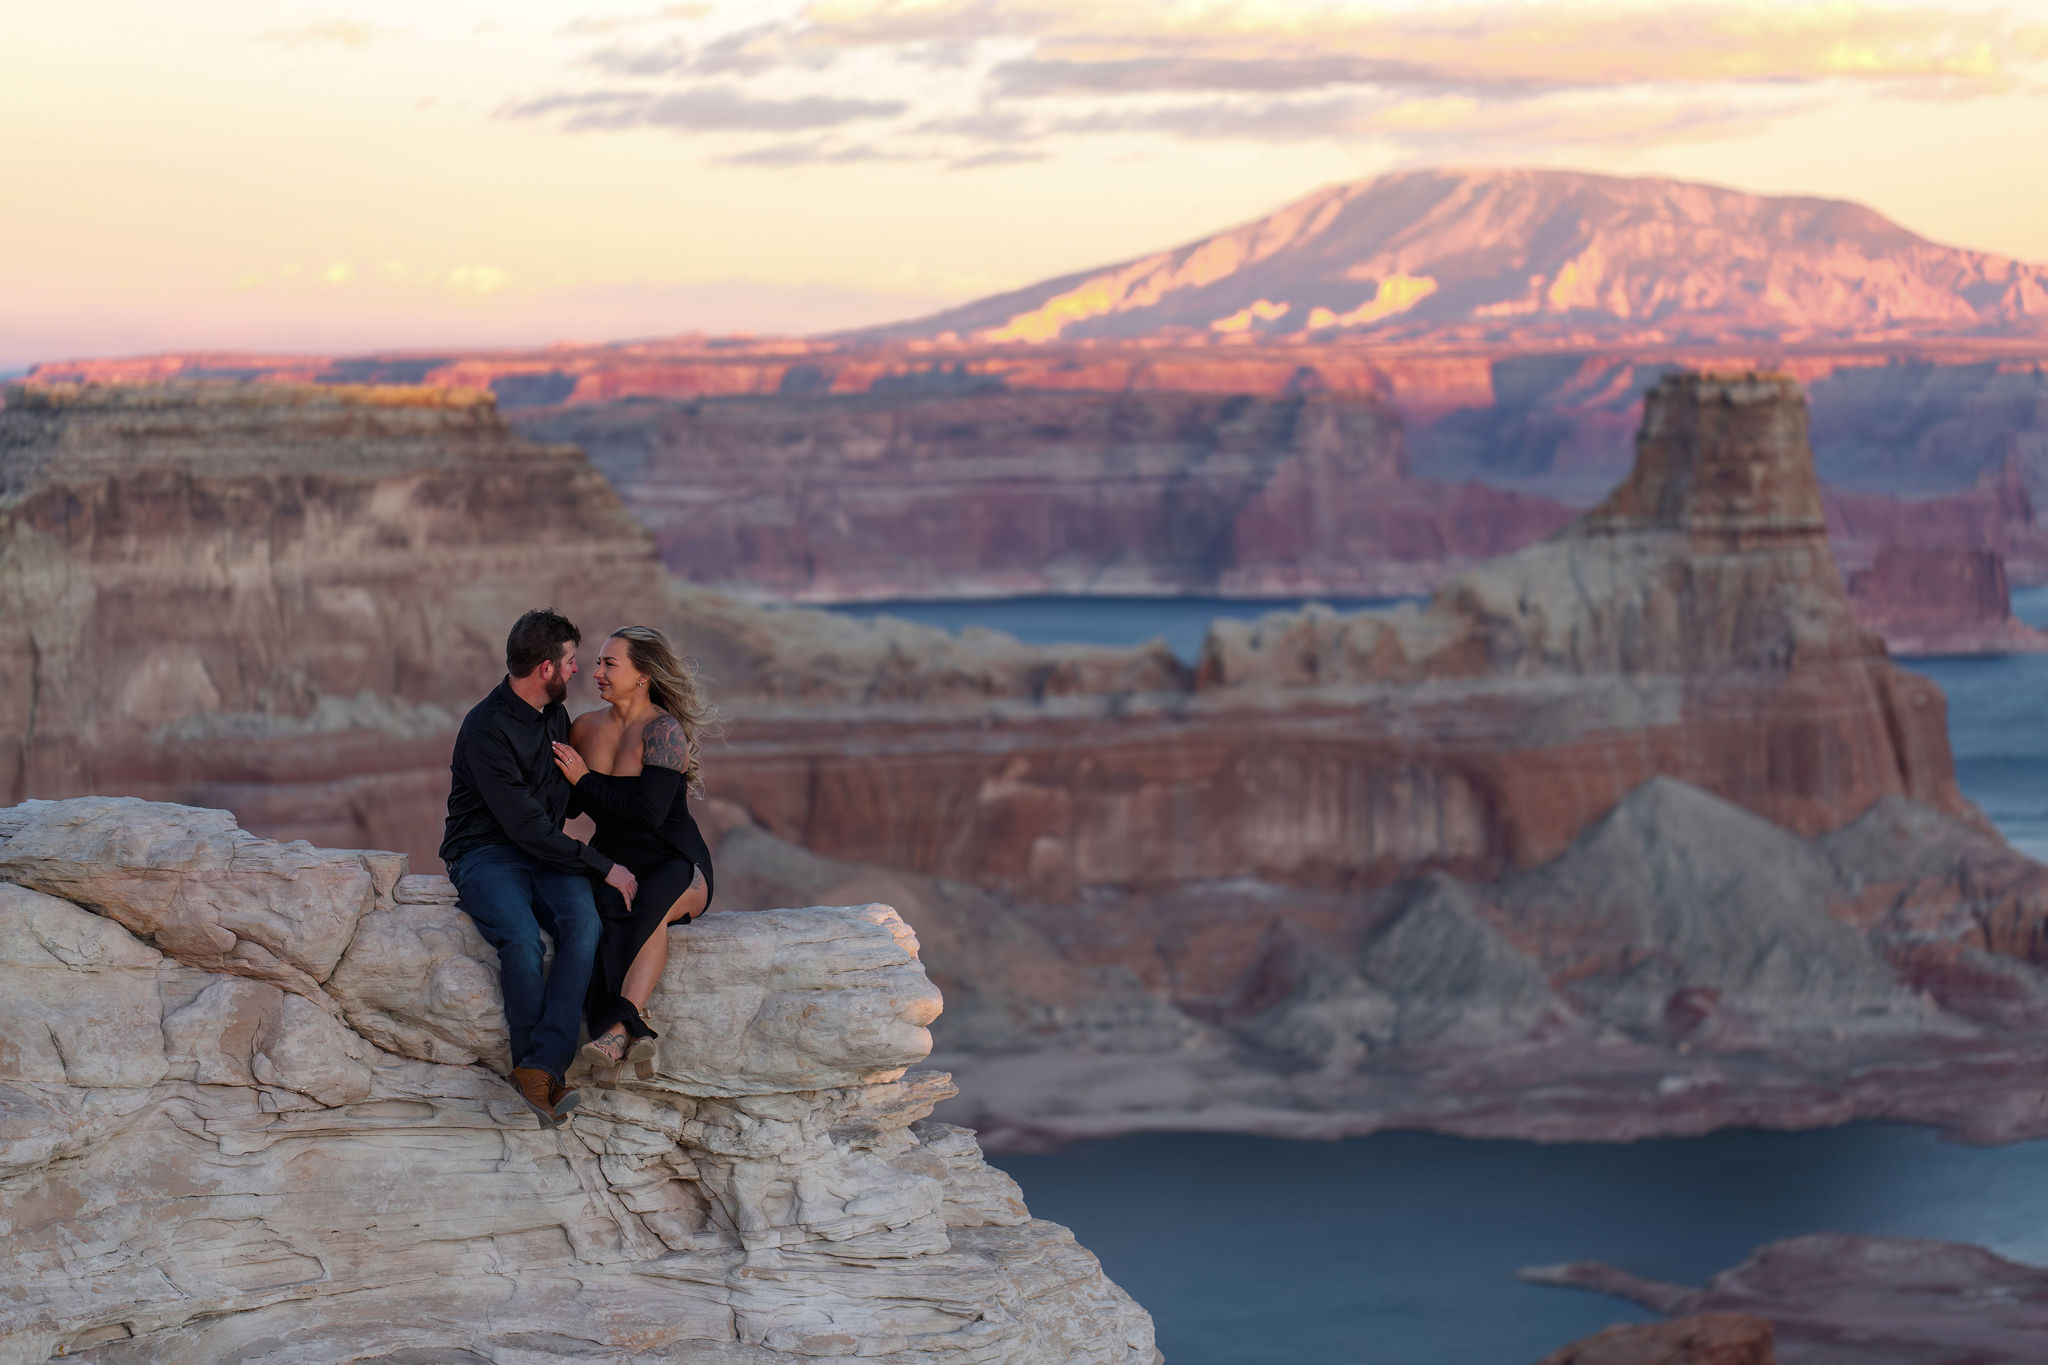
(512, 897)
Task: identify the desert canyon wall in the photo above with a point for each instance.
(989, 491)
(1220, 417)
(1640, 805)
(284, 597)
(248, 1112)
(782, 472)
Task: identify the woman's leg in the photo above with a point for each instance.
(601, 1006)
(652, 959)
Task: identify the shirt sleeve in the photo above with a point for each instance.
(643, 801)
(519, 814)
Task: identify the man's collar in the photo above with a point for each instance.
(527, 711)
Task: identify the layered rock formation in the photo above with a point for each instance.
(1908, 417)
(989, 492)
(1216, 917)
(280, 600)
(1836, 1299)
(1941, 601)
(1702, 1339)
(247, 1111)
(1692, 626)
(220, 586)
(1684, 965)
(1388, 868)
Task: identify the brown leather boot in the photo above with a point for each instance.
(538, 1089)
(561, 1098)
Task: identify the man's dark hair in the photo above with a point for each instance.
(537, 638)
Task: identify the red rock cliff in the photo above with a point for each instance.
(1693, 626)
(971, 488)
(279, 598)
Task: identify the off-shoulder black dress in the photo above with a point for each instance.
(645, 823)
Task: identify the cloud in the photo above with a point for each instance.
(1084, 47)
(889, 22)
(331, 32)
(999, 156)
(986, 81)
(749, 51)
(1034, 77)
(706, 108)
(984, 126)
(664, 59)
(781, 154)
(1443, 123)
(602, 24)
(1272, 120)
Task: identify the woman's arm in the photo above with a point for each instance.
(644, 800)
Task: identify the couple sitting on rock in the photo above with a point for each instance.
(606, 904)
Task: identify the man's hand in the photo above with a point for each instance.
(624, 882)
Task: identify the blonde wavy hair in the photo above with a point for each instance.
(673, 685)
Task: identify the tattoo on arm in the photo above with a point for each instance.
(663, 745)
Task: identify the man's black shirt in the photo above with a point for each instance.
(506, 789)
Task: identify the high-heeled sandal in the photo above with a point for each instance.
(602, 1057)
(641, 1052)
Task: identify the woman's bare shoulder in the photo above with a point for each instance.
(588, 725)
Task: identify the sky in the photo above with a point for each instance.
(381, 174)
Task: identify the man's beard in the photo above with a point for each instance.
(558, 688)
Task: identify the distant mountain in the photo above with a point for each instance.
(1523, 254)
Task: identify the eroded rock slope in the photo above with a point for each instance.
(248, 1111)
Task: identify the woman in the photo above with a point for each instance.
(634, 764)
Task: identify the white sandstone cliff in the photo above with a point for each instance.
(247, 1112)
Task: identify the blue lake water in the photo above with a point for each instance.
(1181, 621)
(1400, 1248)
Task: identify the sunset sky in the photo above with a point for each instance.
(226, 173)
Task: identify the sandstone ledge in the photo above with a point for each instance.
(1832, 1299)
(247, 1111)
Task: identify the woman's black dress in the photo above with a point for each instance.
(645, 823)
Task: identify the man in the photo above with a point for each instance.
(515, 871)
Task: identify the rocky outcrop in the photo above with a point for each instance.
(1837, 1299)
(1994, 514)
(242, 1117)
(1941, 601)
(1693, 626)
(1702, 838)
(1684, 965)
(1704, 1339)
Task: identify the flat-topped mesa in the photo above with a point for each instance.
(1711, 557)
(241, 1117)
(216, 428)
(1723, 456)
(188, 567)
(1694, 625)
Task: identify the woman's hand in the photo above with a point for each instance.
(571, 763)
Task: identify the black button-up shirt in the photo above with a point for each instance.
(506, 789)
